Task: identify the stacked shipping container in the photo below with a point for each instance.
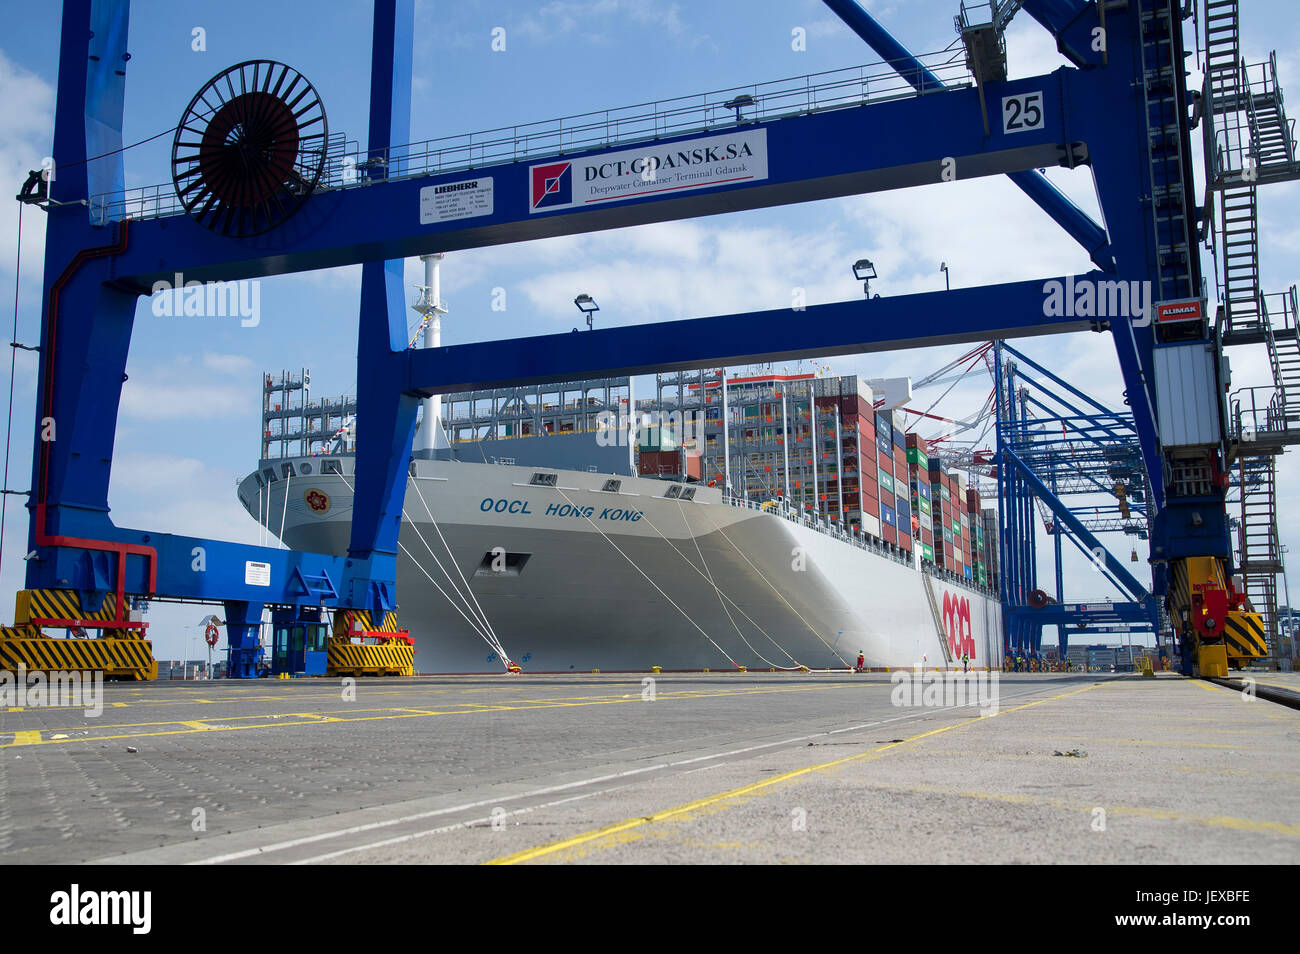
(892, 487)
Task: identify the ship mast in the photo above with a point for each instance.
(726, 439)
(430, 438)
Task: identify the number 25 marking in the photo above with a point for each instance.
(1022, 113)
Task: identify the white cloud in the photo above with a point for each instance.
(184, 495)
(26, 131)
(216, 386)
(590, 18)
(228, 363)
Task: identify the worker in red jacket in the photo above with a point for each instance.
(862, 661)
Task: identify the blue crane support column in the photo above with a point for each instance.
(86, 324)
(244, 653)
(1062, 513)
(1063, 212)
(385, 415)
(1005, 568)
(1066, 21)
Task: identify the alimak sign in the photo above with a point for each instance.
(728, 158)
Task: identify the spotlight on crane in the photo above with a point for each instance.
(864, 271)
(587, 305)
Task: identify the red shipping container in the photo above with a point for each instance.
(664, 463)
(884, 461)
(889, 534)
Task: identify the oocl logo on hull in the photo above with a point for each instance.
(957, 623)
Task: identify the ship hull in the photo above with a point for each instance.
(572, 578)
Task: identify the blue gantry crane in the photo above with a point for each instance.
(262, 187)
(1058, 449)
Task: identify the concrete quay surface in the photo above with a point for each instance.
(684, 768)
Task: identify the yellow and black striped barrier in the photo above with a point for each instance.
(117, 657)
(393, 657)
(119, 653)
(58, 607)
(1243, 635)
(354, 622)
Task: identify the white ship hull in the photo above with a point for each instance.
(632, 580)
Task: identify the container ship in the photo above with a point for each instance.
(761, 520)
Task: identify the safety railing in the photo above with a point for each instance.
(854, 537)
(1253, 412)
(1233, 125)
(348, 165)
(984, 14)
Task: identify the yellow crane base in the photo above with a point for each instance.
(117, 657)
(1212, 660)
(392, 658)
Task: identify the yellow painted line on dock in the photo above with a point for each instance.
(286, 720)
(29, 737)
(331, 691)
(736, 796)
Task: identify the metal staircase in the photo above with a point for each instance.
(1239, 233)
(1272, 136)
(1222, 51)
(1258, 550)
(1248, 142)
(1279, 313)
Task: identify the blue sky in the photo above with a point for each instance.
(189, 422)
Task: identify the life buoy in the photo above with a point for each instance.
(211, 635)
